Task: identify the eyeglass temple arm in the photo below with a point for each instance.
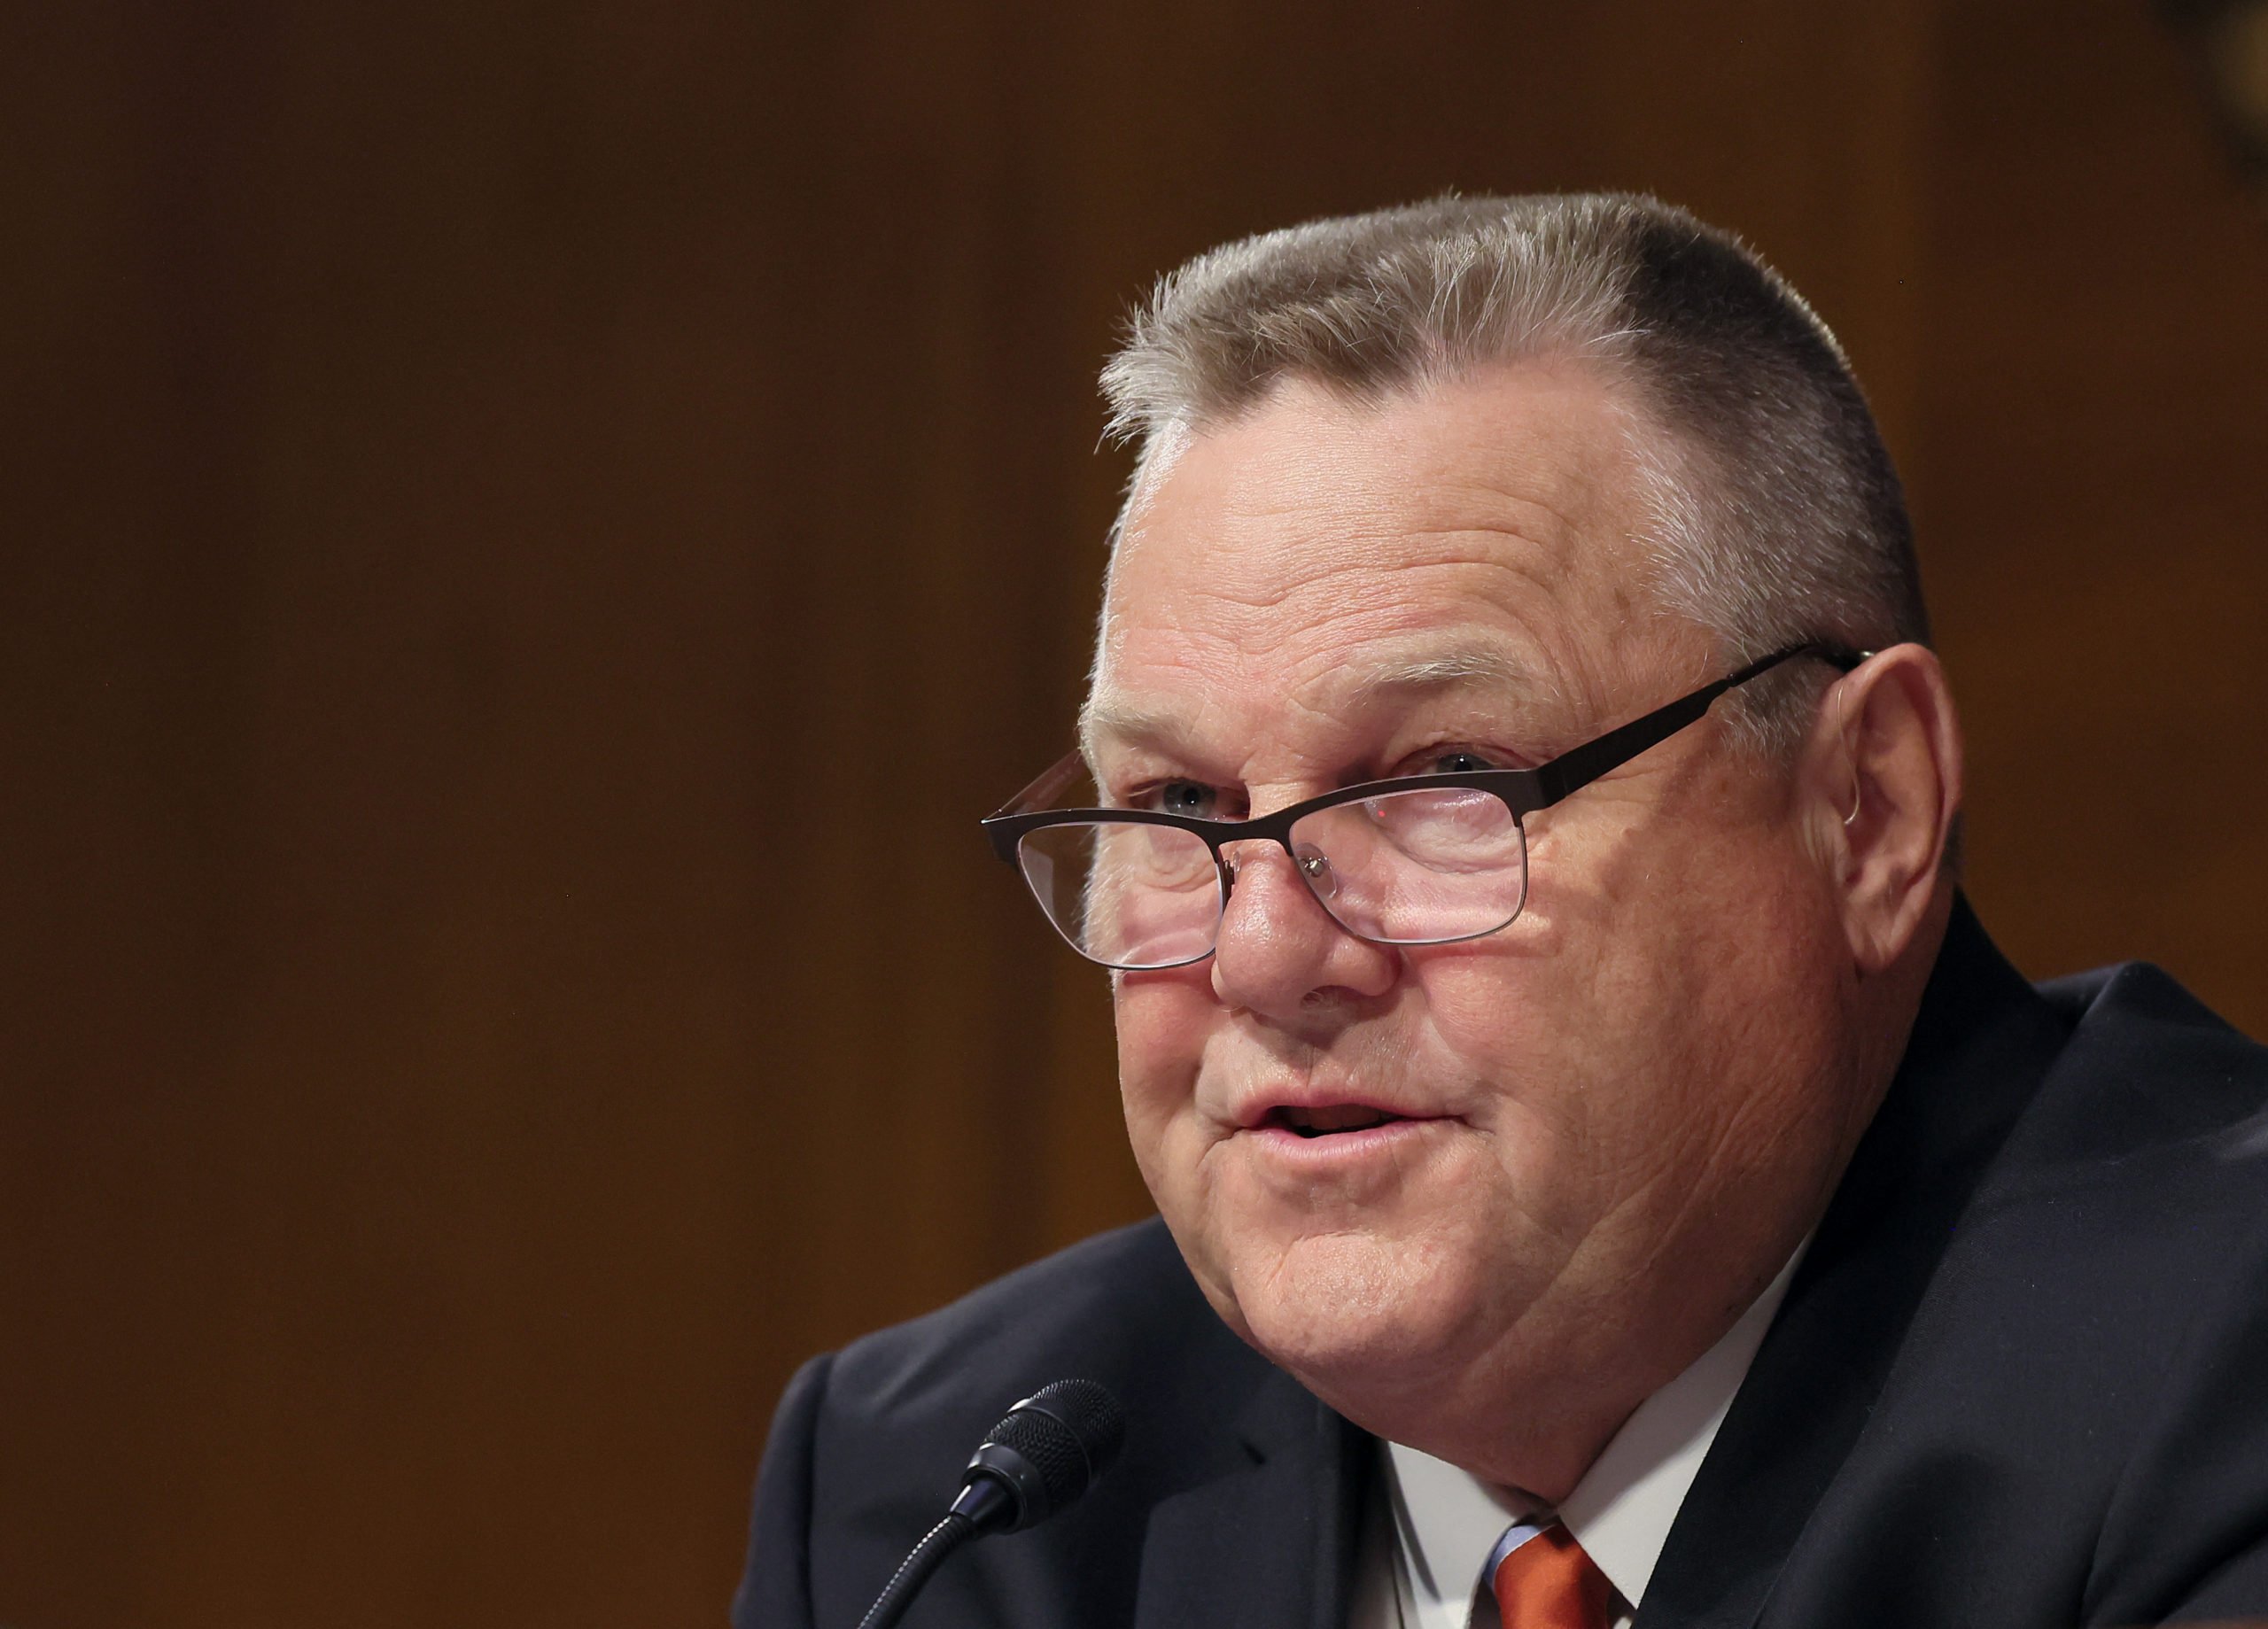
(1049, 782)
(1573, 769)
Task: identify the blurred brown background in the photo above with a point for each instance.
(533, 532)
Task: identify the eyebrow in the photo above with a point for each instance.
(1470, 667)
(1426, 674)
(1165, 728)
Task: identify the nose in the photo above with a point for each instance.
(1279, 949)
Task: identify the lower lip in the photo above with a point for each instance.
(1389, 1138)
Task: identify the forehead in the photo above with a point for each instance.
(1318, 547)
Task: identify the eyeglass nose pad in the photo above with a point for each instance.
(1312, 863)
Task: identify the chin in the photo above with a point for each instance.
(1354, 1313)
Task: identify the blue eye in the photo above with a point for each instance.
(1457, 763)
(1185, 797)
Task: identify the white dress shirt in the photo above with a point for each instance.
(1430, 1536)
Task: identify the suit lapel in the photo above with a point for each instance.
(1981, 1043)
(1269, 1541)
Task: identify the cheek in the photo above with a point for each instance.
(1162, 1022)
(1640, 933)
(1689, 1011)
(1599, 1029)
(1521, 1021)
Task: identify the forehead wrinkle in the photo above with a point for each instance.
(1356, 657)
(1552, 505)
(1528, 546)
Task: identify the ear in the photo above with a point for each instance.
(1885, 785)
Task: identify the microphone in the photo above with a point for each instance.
(1051, 1447)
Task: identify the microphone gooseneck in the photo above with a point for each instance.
(939, 1542)
(1048, 1451)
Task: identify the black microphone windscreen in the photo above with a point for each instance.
(1070, 1432)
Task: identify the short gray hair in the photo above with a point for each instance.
(1773, 512)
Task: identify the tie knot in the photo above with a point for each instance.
(1543, 1580)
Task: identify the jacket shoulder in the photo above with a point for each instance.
(2080, 1381)
(1119, 1309)
(2153, 1088)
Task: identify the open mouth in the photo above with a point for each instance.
(1328, 1120)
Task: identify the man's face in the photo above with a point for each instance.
(1601, 1112)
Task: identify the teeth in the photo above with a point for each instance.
(1334, 1117)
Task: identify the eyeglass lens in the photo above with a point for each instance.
(1417, 867)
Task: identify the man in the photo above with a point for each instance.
(1610, 1174)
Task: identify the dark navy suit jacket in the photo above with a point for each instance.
(2020, 1380)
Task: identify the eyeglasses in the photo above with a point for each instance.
(1420, 860)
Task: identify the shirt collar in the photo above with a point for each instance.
(1446, 1520)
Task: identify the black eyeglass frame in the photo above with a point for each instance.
(1523, 791)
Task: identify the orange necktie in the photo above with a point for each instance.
(1545, 1581)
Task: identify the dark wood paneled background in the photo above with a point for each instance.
(534, 532)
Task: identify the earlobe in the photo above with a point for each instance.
(1898, 757)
